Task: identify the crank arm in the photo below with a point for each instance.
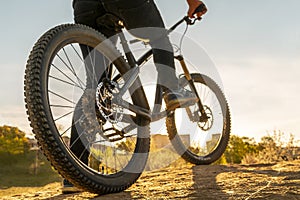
(158, 116)
(136, 109)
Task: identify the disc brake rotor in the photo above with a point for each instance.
(104, 95)
(206, 124)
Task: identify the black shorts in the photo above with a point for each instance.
(134, 14)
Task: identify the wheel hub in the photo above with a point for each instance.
(104, 94)
(205, 123)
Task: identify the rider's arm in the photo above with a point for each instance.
(193, 5)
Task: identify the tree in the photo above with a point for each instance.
(238, 147)
(127, 145)
(13, 140)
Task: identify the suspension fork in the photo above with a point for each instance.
(189, 78)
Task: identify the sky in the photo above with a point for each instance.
(255, 46)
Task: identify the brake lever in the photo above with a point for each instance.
(192, 21)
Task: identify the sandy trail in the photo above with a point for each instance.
(265, 181)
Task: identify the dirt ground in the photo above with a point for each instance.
(261, 181)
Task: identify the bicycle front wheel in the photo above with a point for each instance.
(71, 75)
(198, 140)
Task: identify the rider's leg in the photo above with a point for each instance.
(143, 20)
(87, 12)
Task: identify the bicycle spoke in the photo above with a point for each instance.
(60, 96)
(73, 70)
(58, 79)
(93, 78)
(66, 130)
(75, 84)
(93, 65)
(77, 52)
(71, 145)
(121, 165)
(73, 124)
(61, 106)
(63, 116)
(82, 153)
(214, 103)
(207, 92)
(70, 68)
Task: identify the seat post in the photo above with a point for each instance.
(129, 56)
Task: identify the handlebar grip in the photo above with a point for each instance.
(200, 8)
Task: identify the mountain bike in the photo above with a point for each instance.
(77, 82)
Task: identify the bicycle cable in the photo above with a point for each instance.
(181, 39)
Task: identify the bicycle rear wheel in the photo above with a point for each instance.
(201, 141)
(70, 78)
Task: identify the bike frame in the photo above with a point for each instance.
(134, 73)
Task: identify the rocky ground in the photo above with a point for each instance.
(261, 181)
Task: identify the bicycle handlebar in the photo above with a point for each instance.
(186, 19)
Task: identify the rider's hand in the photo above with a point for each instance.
(193, 5)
